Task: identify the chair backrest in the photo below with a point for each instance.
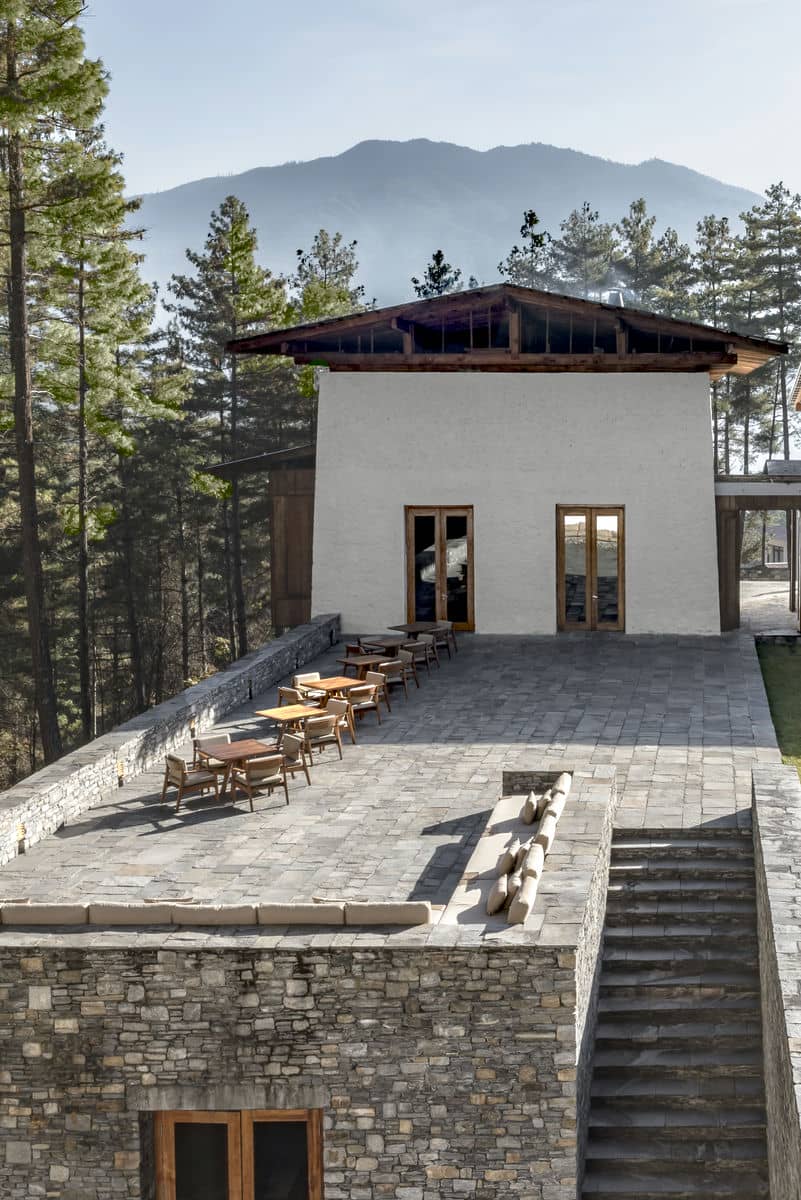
(176, 768)
(362, 695)
(309, 677)
(352, 649)
(375, 677)
(263, 768)
(426, 639)
(339, 708)
(318, 727)
(393, 667)
(288, 695)
(446, 625)
(404, 656)
(202, 742)
(290, 747)
(415, 650)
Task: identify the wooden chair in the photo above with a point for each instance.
(341, 710)
(381, 689)
(178, 775)
(448, 625)
(321, 732)
(394, 673)
(291, 695)
(259, 775)
(294, 756)
(209, 764)
(409, 666)
(421, 653)
(363, 699)
(305, 685)
(428, 640)
(443, 636)
(352, 649)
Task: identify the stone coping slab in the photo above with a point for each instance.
(110, 916)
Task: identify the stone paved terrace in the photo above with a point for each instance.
(682, 721)
(764, 607)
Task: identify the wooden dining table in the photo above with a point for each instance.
(235, 754)
(336, 685)
(289, 714)
(415, 628)
(389, 643)
(363, 663)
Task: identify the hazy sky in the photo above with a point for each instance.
(208, 87)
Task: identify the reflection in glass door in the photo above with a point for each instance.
(439, 565)
(590, 568)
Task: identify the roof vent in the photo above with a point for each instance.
(615, 298)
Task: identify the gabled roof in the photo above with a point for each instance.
(508, 328)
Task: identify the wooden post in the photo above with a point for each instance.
(514, 332)
(728, 522)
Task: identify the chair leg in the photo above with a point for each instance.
(164, 789)
(305, 768)
(352, 726)
(338, 740)
(179, 797)
(378, 708)
(405, 685)
(286, 789)
(386, 698)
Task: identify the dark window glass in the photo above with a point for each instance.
(456, 567)
(425, 570)
(201, 1161)
(280, 1160)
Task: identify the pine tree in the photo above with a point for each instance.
(529, 265)
(228, 295)
(324, 280)
(438, 278)
(584, 254)
(713, 263)
(49, 91)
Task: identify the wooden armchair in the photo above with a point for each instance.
(381, 689)
(364, 699)
(294, 756)
(341, 710)
(445, 637)
(259, 775)
(421, 652)
(321, 732)
(394, 672)
(305, 685)
(409, 666)
(178, 775)
(209, 764)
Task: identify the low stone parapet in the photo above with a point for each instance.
(777, 859)
(40, 804)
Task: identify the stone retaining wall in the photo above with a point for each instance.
(441, 1072)
(777, 855)
(40, 804)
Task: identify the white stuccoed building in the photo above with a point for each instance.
(513, 461)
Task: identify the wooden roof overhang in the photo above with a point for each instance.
(507, 328)
(290, 459)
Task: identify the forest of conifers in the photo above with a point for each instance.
(126, 572)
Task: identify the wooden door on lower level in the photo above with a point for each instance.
(590, 567)
(439, 564)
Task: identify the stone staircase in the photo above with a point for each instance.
(677, 1104)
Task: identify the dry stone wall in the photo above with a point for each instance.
(777, 859)
(41, 803)
(442, 1072)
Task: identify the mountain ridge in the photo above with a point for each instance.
(401, 200)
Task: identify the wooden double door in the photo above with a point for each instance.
(439, 565)
(590, 567)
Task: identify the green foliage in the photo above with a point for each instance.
(529, 265)
(584, 254)
(438, 278)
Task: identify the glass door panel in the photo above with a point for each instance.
(280, 1160)
(201, 1162)
(574, 533)
(606, 570)
(456, 568)
(425, 567)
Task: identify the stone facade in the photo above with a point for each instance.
(40, 804)
(777, 854)
(441, 1072)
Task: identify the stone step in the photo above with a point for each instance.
(618, 995)
(738, 1008)
(687, 1183)
(704, 1027)
(709, 974)
(622, 910)
(682, 868)
(680, 937)
(710, 833)
(679, 952)
(680, 1058)
(706, 888)
(682, 847)
(625, 1090)
(741, 1148)
(624, 926)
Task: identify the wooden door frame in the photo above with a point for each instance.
(313, 1120)
(440, 512)
(590, 512)
(164, 1131)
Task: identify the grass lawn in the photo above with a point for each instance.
(781, 670)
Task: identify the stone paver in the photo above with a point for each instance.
(764, 607)
(682, 721)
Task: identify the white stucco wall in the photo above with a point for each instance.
(514, 446)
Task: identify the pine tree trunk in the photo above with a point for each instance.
(84, 669)
(229, 594)
(184, 587)
(726, 444)
(19, 349)
(236, 528)
(715, 426)
(201, 600)
(137, 673)
(747, 430)
(785, 415)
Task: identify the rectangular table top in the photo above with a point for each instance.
(236, 751)
(336, 683)
(362, 660)
(414, 627)
(387, 641)
(290, 712)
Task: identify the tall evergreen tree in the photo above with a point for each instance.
(584, 254)
(49, 93)
(530, 264)
(324, 283)
(438, 278)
